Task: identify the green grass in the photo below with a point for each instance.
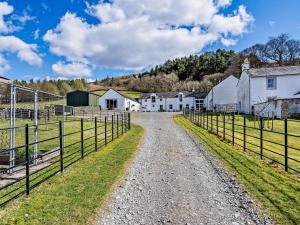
(276, 191)
(132, 94)
(74, 196)
(253, 130)
(47, 131)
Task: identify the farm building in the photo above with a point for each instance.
(82, 98)
(171, 101)
(114, 100)
(223, 96)
(262, 85)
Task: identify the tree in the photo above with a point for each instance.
(282, 50)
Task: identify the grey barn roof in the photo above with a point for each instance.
(174, 94)
(275, 71)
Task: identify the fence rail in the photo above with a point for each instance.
(68, 141)
(280, 144)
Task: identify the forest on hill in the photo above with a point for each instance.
(195, 72)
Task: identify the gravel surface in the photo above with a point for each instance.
(173, 180)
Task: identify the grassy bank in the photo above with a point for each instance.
(277, 192)
(73, 197)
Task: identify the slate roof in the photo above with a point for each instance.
(174, 94)
(125, 96)
(275, 71)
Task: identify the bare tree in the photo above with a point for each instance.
(281, 50)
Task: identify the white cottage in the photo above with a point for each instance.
(114, 100)
(171, 101)
(223, 96)
(261, 85)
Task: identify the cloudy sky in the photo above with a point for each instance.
(93, 39)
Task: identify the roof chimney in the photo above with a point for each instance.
(246, 65)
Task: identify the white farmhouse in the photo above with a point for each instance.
(171, 101)
(114, 100)
(261, 85)
(223, 96)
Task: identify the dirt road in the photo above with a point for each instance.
(174, 181)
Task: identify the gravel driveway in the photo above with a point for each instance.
(174, 181)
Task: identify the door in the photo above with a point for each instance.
(180, 107)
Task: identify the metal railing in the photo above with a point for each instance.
(67, 142)
(278, 145)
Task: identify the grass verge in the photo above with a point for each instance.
(277, 192)
(74, 196)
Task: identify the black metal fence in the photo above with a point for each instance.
(278, 143)
(63, 143)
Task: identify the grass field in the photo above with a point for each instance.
(273, 142)
(47, 131)
(277, 192)
(132, 94)
(74, 196)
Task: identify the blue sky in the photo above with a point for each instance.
(98, 39)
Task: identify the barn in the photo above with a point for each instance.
(114, 100)
(82, 98)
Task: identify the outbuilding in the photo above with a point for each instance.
(115, 100)
(82, 98)
(223, 96)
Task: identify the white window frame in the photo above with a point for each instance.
(274, 87)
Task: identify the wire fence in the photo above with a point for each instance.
(65, 142)
(276, 141)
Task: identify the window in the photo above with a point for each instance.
(180, 97)
(161, 108)
(187, 106)
(111, 104)
(170, 107)
(271, 83)
(153, 99)
(161, 99)
(180, 107)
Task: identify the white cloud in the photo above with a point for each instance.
(223, 3)
(133, 34)
(25, 52)
(4, 66)
(36, 34)
(74, 69)
(228, 42)
(5, 9)
(11, 44)
(272, 23)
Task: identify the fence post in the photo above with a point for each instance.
(27, 159)
(224, 129)
(206, 120)
(96, 135)
(82, 144)
(261, 137)
(117, 125)
(122, 123)
(211, 122)
(105, 130)
(129, 121)
(286, 165)
(217, 116)
(61, 146)
(112, 127)
(244, 133)
(233, 128)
